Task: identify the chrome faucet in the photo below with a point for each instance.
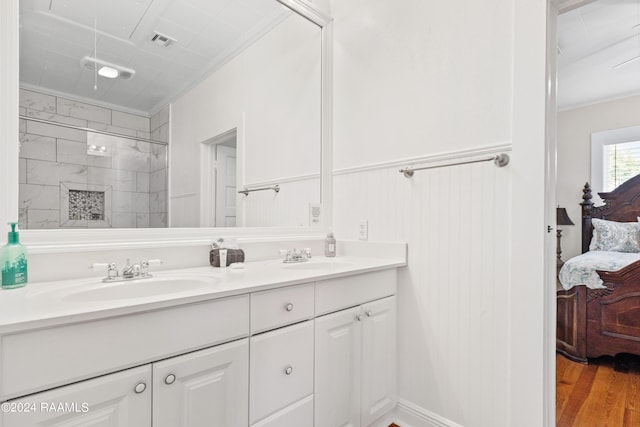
(129, 272)
(291, 256)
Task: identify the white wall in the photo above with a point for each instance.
(415, 79)
(452, 324)
(420, 76)
(276, 102)
(574, 156)
(286, 208)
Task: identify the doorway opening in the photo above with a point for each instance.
(219, 193)
(598, 44)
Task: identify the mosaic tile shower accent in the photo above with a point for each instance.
(86, 205)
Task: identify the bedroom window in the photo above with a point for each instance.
(615, 157)
(620, 162)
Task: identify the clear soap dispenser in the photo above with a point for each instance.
(330, 245)
(13, 261)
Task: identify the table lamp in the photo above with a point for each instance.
(562, 218)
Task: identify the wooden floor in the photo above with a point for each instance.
(606, 392)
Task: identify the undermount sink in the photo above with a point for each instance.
(319, 264)
(154, 286)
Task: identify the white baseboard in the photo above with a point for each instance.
(408, 414)
(384, 421)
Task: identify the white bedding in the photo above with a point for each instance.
(581, 270)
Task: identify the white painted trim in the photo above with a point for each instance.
(385, 420)
(9, 18)
(409, 414)
(448, 157)
(207, 188)
(598, 101)
(307, 10)
(44, 241)
(564, 6)
(550, 266)
(525, 369)
(326, 159)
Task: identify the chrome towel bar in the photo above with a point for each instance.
(500, 160)
(246, 191)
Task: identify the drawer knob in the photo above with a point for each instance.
(288, 370)
(140, 387)
(369, 313)
(170, 379)
(289, 307)
(359, 317)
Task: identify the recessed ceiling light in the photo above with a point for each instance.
(108, 72)
(90, 63)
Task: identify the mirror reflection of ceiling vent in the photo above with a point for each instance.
(162, 40)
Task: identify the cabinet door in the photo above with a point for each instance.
(122, 399)
(204, 388)
(337, 371)
(378, 359)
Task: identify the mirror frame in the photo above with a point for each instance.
(65, 240)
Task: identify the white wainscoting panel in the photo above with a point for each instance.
(452, 297)
(288, 207)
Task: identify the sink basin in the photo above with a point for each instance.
(139, 288)
(319, 264)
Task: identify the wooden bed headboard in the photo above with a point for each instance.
(621, 205)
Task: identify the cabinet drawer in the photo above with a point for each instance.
(279, 307)
(281, 369)
(47, 358)
(336, 294)
(297, 415)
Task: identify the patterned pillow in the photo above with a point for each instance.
(615, 236)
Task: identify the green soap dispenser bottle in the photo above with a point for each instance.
(13, 261)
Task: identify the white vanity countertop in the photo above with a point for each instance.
(47, 304)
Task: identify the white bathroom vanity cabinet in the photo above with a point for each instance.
(318, 350)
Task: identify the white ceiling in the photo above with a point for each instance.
(56, 34)
(593, 39)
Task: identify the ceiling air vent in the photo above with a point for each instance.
(162, 40)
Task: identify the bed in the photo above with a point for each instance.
(605, 319)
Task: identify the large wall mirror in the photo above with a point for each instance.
(169, 113)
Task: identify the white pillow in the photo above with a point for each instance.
(615, 236)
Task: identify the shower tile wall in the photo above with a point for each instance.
(133, 174)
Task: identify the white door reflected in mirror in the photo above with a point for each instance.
(225, 186)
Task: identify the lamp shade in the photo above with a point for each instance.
(562, 218)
